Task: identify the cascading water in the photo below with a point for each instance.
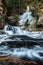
(17, 30)
(14, 30)
(25, 53)
(8, 34)
(26, 16)
(10, 31)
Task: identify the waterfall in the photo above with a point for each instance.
(26, 16)
(13, 30)
(16, 30)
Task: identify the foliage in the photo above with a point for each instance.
(11, 3)
(16, 6)
(27, 23)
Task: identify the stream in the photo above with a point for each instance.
(9, 33)
(13, 35)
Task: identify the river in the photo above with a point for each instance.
(11, 36)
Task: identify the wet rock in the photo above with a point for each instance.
(4, 56)
(14, 60)
(17, 61)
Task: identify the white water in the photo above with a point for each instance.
(10, 31)
(26, 16)
(16, 30)
(32, 53)
(13, 30)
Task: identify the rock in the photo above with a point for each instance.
(32, 8)
(40, 21)
(12, 60)
(2, 15)
(4, 56)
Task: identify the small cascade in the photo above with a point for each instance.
(13, 30)
(34, 53)
(26, 16)
(21, 43)
(16, 30)
(8, 29)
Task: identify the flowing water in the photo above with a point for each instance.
(8, 35)
(27, 52)
(26, 16)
